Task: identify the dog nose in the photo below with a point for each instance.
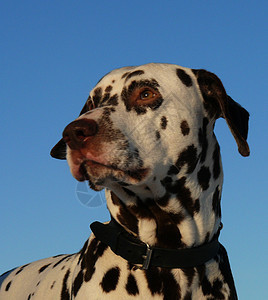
(78, 132)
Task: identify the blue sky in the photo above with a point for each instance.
(53, 52)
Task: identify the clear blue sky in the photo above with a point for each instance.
(53, 52)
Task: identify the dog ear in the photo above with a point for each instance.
(59, 150)
(219, 104)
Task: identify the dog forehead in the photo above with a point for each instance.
(177, 85)
(166, 74)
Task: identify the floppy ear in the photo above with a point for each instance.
(219, 104)
(59, 150)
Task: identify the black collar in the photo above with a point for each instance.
(138, 253)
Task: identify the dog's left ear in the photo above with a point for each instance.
(219, 104)
(59, 150)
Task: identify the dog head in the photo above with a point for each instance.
(148, 120)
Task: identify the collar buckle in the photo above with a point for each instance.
(147, 257)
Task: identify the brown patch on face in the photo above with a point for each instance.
(157, 135)
(97, 94)
(185, 129)
(141, 95)
(163, 123)
(108, 89)
(132, 74)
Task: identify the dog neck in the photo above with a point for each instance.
(181, 209)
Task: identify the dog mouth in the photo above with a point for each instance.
(97, 172)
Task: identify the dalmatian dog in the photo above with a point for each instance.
(146, 135)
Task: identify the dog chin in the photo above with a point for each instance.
(99, 175)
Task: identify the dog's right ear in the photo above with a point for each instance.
(219, 104)
(59, 150)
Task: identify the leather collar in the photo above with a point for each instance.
(138, 253)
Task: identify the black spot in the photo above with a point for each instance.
(8, 286)
(97, 96)
(163, 201)
(177, 218)
(127, 219)
(43, 268)
(110, 280)
(52, 285)
(226, 272)
(184, 77)
(189, 273)
(82, 252)
(173, 170)
(168, 234)
(203, 141)
(196, 207)
(132, 74)
(108, 89)
(188, 296)
(105, 98)
(163, 123)
(157, 135)
(201, 271)
(171, 288)
(94, 252)
(125, 75)
(20, 269)
(113, 100)
(216, 202)
(131, 285)
(208, 288)
(142, 209)
(216, 289)
(216, 162)
(77, 282)
(88, 258)
(203, 177)
(187, 156)
(61, 260)
(65, 295)
(185, 129)
(55, 256)
(166, 180)
(153, 280)
(183, 194)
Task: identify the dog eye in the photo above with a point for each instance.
(147, 94)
